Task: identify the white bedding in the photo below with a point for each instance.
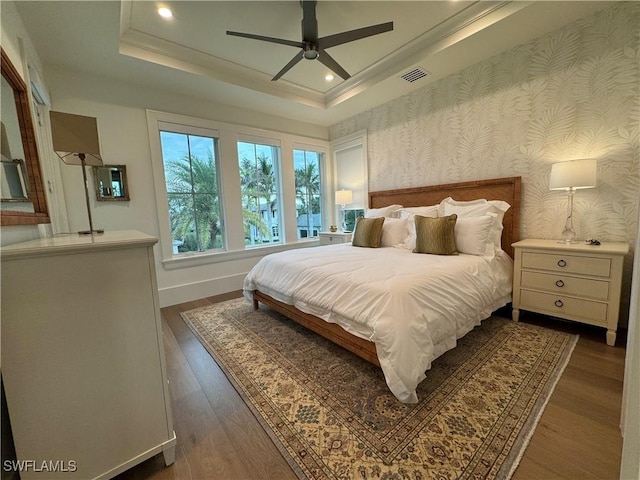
(412, 306)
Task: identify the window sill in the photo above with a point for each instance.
(197, 259)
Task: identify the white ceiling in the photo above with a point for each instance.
(191, 53)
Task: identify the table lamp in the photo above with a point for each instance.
(570, 176)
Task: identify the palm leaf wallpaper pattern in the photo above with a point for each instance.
(573, 93)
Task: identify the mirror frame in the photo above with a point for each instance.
(36, 191)
(125, 184)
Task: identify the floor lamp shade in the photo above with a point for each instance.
(73, 135)
(571, 176)
(75, 141)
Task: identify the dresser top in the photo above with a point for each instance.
(611, 248)
(75, 243)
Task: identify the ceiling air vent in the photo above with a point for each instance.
(415, 74)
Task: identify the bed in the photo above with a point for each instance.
(397, 309)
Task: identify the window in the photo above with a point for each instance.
(350, 217)
(260, 189)
(226, 192)
(350, 169)
(307, 167)
(192, 185)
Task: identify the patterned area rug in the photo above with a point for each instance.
(332, 415)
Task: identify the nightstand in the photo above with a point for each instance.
(330, 238)
(572, 281)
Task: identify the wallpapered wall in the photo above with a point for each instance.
(574, 93)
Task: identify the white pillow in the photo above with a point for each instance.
(459, 203)
(478, 209)
(394, 232)
(473, 235)
(382, 212)
(430, 211)
(410, 240)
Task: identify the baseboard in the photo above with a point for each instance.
(194, 291)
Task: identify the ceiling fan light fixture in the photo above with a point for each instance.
(310, 52)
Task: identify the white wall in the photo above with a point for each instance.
(120, 109)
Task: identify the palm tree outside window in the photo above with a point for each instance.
(260, 186)
(307, 166)
(192, 183)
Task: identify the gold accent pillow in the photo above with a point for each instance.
(368, 232)
(435, 235)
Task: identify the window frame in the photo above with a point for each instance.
(230, 189)
(277, 165)
(206, 133)
(324, 189)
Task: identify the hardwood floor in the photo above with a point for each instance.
(578, 436)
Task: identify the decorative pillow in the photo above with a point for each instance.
(478, 208)
(368, 232)
(435, 235)
(473, 235)
(394, 232)
(382, 212)
(407, 212)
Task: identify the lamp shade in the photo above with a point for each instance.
(574, 174)
(344, 197)
(73, 135)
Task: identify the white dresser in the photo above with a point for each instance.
(330, 238)
(573, 281)
(83, 360)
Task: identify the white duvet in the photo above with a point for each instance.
(413, 306)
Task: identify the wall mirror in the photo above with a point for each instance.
(25, 202)
(13, 187)
(111, 183)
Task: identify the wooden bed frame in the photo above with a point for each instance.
(507, 189)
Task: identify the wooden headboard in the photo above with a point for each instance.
(506, 189)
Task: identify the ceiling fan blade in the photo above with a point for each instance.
(328, 61)
(281, 41)
(288, 66)
(351, 35)
(309, 21)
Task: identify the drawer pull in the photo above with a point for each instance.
(559, 303)
(559, 283)
(562, 263)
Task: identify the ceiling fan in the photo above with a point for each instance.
(313, 47)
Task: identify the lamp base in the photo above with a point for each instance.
(568, 242)
(90, 232)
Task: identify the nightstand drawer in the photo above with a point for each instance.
(334, 238)
(562, 284)
(599, 267)
(563, 306)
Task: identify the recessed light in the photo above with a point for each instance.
(328, 77)
(164, 12)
